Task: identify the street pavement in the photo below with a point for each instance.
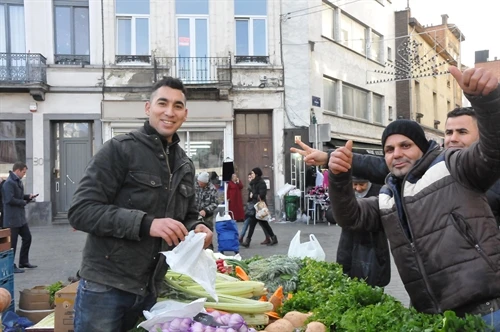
(57, 251)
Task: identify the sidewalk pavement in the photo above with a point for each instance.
(57, 250)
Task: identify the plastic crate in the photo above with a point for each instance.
(6, 263)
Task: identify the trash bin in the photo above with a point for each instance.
(291, 206)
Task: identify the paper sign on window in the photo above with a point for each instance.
(183, 41)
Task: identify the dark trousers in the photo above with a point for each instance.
(24, 232)
(264, 224)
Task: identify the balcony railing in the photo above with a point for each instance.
(251, 59)
(194, 70)
(133, 59)
(72, 59)
(23, 68)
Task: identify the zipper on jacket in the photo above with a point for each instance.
(424, 275)
(167, 152)
(467, 235)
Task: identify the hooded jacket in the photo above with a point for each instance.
(441, 231)
(127, 182)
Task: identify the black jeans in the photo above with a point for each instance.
(24, 232)
(264, 224)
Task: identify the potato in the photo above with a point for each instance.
(297, 318)
(281, 325)
(315, 327)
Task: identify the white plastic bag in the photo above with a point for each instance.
(165, 311)
(262, 212)
(190, 259)
(311, 248)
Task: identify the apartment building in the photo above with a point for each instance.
(331, 52)
(75, 73)
(431, 93)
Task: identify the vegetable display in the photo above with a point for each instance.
(346, 304)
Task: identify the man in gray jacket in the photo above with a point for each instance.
(135, 200)
(442, 233)
(14, 201)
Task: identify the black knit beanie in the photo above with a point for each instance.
(408, 128)
(257, 171)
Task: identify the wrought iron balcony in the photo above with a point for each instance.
(72, 59)
(251, 59)
(133, 59)
(194, 70)
(22, 68)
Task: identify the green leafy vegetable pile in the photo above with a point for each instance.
(275, 271)
(347, 304)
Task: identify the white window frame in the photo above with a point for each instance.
(382, 99)
(133, 41)
(192, 27)
(250, 19)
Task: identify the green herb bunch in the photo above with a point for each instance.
(347, 304)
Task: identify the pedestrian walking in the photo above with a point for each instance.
(258, 193)
(14, 201)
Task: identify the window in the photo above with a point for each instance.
(12, 38)
(328, 21)
(12, 145)
(389, 54)
(353, 34)
(329, 94)
(376, 47)
(72, 32)
(205, 149)
(132, 26)
(193, 44)
(251, 30)
(355, 102)
(378, 108)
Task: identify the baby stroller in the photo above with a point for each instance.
(227, 233)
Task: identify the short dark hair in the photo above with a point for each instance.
(19, 165)
(459, 111)
(171, 82)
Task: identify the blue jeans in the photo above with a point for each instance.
(103, 308)
(493, 320)
(245, 227)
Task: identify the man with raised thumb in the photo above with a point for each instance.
(441, 231)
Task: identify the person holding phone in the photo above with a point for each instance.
(14, 201)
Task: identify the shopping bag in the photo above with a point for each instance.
(166, 311)
(190, 259)
(261, 211)
(311, 248)
(249, 210)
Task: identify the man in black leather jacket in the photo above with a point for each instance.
(135, 200)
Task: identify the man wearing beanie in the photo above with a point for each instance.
(441, 231)
(206, 198)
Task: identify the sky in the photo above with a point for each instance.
(477, 20)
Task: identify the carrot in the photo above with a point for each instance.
(240, 273)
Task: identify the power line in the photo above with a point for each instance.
(323, 9)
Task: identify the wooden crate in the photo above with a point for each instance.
(5, 239)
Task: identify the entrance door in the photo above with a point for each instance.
(192, 50)
(253, 147)
(72, 150)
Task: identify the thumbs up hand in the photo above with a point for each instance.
(475, 81)
(341, 159)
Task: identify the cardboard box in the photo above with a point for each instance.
(36, 298)
(34, 315)
(65, 312)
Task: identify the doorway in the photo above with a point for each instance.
(253, 147)
(71, 152)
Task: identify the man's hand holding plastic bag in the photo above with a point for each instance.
(190, 259)
(173, 231)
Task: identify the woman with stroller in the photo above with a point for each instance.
(258, 191)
